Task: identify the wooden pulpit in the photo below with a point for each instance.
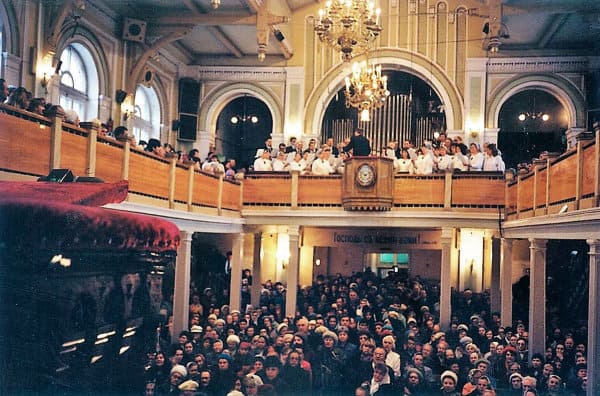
(368, 183)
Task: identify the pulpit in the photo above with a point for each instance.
(368, 183)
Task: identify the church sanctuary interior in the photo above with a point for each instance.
(285, 197)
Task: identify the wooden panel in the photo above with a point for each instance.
(73, 152)
(419, 190)
(109, 160)
(231, 196)
(270, 190)
(541, 188)
(589, 170)
(148, 176)
(478, 191)
(17, 152)
(181, 183)
(319, 190)
(526, 194)
(562, 184)
(511, 199)
(205, 190)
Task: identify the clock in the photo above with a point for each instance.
(365, 175)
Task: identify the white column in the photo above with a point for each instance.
(181, 299)
(506, 282)
(490, 135)
(593, 344)
(256, 276)
(204, 141)
(235, 284)
(446, 278)
(292, 271)
(495, 286)
(537, 296)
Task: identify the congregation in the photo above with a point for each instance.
(360, 335)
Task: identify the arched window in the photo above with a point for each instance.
(146, 120)
(79, 81)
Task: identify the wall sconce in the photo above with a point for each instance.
(46, 71)
(318, 262)
(127, 108)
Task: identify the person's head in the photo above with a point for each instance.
(159, 359)
(177, 374)
(581, 371)
(483, 383)
(554, 383)
(529, 383)
(516, 381)
(389, 343)
(380, 370)
(362, 390)
(449, 380)
(205, 377)
(414, 377)
(150, 388)
(271, 367)
(3, 90)
(482, 364)
(379, 355)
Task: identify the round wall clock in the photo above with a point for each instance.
(365, 175)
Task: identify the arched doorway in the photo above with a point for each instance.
(531, 122)
(413, 112)
(242, 127)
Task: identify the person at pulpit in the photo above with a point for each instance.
(359, 144)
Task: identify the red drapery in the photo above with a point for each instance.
(55, 216)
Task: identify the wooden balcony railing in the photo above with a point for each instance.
(571, 179)
(33, 145)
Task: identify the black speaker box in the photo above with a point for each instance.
(187, 127)
(189, 96)
(175, 125)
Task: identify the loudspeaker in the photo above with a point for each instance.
(59, 176)
(134, 30)
(175, 125)
(189, 96)
(187, 127)
(120, 96)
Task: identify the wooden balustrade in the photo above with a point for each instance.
(30, 145)
(571, 179)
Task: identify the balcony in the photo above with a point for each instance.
(31, 145)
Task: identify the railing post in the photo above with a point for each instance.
(518, 196)
(294, 189)
(597, 169)
(579, 174)
(220, 195)
(537, 165)
(56, 114)
(190, 191)
(548, 169)
(92, 140)
(125, 164)
(447, 190)
(172, 169)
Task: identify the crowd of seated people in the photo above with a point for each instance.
(361, 335)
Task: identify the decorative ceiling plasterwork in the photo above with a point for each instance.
(241, 74)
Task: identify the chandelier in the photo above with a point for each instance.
(366, 89)
(348, 26)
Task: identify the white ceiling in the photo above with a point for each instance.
(536, 25)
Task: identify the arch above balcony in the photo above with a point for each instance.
(216, 100)
(563, 90)
(390, 59)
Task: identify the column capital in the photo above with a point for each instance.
(447, 233)
(185, 236)
(537, 244)
(594, 245)
(293, 231)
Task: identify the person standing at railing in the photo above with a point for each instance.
(460, 161)
(263, 162)
(424, 162)
(475, 158)
(493, 161)
(321, 165)
(359, 144)
(443, 160)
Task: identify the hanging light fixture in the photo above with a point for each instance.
(366, 89)
(215, 4)
(348, 26)
(533, 114)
